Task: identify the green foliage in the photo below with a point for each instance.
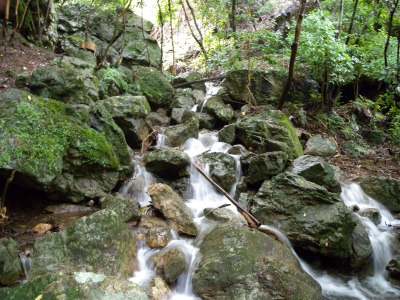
(109, 77)
(335, 124)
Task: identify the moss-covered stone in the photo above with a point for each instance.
(240, 263)
(10, 263)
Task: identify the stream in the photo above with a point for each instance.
(204, 195)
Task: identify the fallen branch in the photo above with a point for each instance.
(185, 84)
(222, 206)
(251, 220)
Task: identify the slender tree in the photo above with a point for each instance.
(392, 11)
(293, 55)
(340, 21)
(371, 15)
(6, 19)
(233, 15)
(352, 21)
(161, 20)
(43, 25)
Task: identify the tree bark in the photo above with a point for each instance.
(340, 19)
(160, 18)
(44, 21)
(6, 19)
(352, 21)
(172, 38)
(233, 16)
(293, 55)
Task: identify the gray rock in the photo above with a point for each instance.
(318, 145)
(62, 84)
(173, 208)
(315, 169)
(158, 233)
(167, 162)
(10, 263)
(170, 264)
(227, 134)
(216, 107)
(224, 215)
(76, 285)
(177, 135)
(259, 167)
(237, 150)
(384, 190)
(222, 168)
(228, 270)
(182, 100)
(394, 267)
(99, 243)
(124, 207)
(206, 121)
(159, 289)
(313, 219)
(373, 214)
(189, 77)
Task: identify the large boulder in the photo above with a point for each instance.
(383, 190)
(178, 215)
(63, 84)
(177, 135)
(167, 162)
(183, 99)
(10, 263)
(100, 243)
(315, 169)
(153, 84)
(236, 86)
(216, 107)
(72, 153)
(124, 207)
(313, 219)
(76, 286)
(240, 263)
(318, 145)
(222, 168)
(129, 114)
(170, 264)
(265, 136)
(259, 167)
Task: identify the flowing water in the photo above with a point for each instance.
(204, 195)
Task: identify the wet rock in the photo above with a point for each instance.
(182, 99)
(228, 270)
(167, 162)
(384, 190)
(158, 119)
(222, 168)
(177, 135)
(227, 134)
(154, 86)
(224, 215)
(394, 267)
(10, 263)
(237, 150)
(320, 146)
(176, 115)
(42, 228)
(361, 246)
(159, 289)
(216, 107)
(76, 285)
(313, 219)
(173, 208)
(259, 167)
(158, 233)
(206, 121)
(373, 214)
(170, 264)
(124, 207)
(100, 243)
(315, 169)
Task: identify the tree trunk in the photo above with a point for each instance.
(44, 22)
(373, 12)
(340, 21)
(6, 19)
(233, 16)
(334, 10)
(352, 21)
(396, 2)
(293, 55)
(198, 40)
(160, 18)
(172, 38)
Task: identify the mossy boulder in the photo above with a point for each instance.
(170, 264)
(318, 145)
(222, 168)
(189, 77)
(313, 219)
(75, 286)
(124, 207)
(262, 135)
(100, 243)
(10, 263)
(240, 263)
(167, 162)
(177, 135)
(384, 190)
(154, 86)
(54, 149)
(216, 107)
(63, 84)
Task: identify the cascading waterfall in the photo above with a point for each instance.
(204, 195)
